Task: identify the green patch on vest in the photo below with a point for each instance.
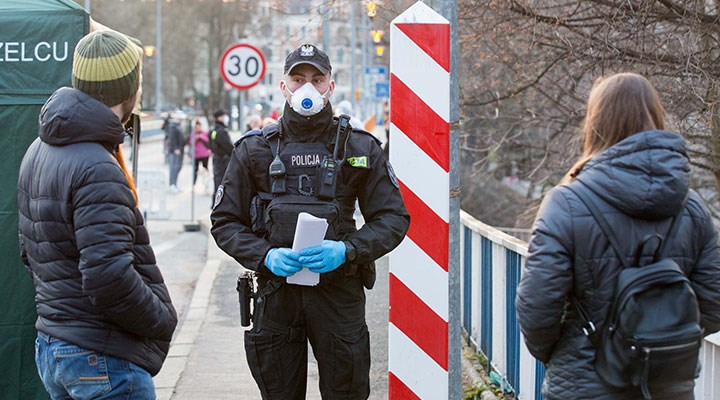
(360, 162)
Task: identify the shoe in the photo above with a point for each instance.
(174, 189)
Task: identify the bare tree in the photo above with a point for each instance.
(194, 34)
(528, 66)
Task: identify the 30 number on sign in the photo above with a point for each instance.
(242, 66)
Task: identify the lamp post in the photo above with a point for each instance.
(353, 46)
(158, 51)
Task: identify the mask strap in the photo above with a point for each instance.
(324, 95)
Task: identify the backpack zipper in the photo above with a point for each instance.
(648, 349)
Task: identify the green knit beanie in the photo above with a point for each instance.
(106, 67)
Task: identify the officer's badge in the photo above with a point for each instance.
(391, 174)
(359, 162)
(218, 196)
(307, 51)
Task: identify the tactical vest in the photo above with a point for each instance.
(302, 179)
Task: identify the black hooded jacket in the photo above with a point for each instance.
(83, 238)
(638, 184)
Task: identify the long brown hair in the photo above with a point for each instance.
(619, 106)
(121, 160)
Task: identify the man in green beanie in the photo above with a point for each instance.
(105, 319)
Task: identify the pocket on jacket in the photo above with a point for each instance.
(83, 373)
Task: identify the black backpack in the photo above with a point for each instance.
(652, 334)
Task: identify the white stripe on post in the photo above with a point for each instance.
(422, 277)
(419, 169)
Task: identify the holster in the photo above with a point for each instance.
(367, 274)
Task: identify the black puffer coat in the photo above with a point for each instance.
(84, 241)
(638, 184)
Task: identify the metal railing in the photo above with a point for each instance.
(491, 264)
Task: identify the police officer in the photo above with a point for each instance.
(309, 161)
(221, 146)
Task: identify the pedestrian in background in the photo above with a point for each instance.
(176, 147)
(254, 122)
(345, 107)
(202, 149)
(269, 121)
(254, 221)
(104, 316)
(638, 175)
(221, 146)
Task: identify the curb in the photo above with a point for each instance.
(182, 344)
(475, 372)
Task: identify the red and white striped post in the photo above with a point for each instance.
(423, 351)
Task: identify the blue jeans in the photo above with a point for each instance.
(71, 372)
(175, 162)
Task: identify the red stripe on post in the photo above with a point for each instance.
(418, 322)
(427, 229)
(434, 39)
(398, 390)
(420, 123)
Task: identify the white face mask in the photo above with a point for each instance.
(307, 100)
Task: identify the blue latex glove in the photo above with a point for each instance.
(282, 261)
(324, 257)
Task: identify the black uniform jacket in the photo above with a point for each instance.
(373, 185)
(222, 146)
(638, 184)
(84, 241)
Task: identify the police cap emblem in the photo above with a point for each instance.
(307, 51)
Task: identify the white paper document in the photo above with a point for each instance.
(309, 231)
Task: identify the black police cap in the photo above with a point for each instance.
(311, 55)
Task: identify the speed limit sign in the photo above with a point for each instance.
(242, 66)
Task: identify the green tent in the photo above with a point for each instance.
(37, 41)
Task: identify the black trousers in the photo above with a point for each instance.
(198, 161)
(331, 316)
(219, 164)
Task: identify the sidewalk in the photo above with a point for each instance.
(207, 355)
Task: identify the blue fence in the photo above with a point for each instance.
(492, 263)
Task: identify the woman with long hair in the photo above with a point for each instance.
(637, 175)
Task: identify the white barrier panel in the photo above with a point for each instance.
(152, 193)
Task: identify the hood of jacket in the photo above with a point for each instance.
(71, 116)
(647, 175)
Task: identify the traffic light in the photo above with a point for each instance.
(379, 50)
(371, 7)
(377, 35)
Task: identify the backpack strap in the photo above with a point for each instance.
(672, 232)
(589, 328)
(599, 218)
